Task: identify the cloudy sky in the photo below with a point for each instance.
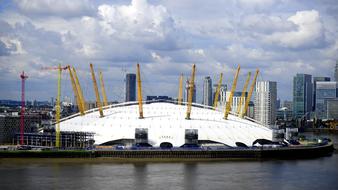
(280, 37)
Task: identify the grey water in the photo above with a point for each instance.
(319, 173)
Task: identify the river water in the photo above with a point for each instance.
(320, 173)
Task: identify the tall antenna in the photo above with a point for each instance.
(22, 116)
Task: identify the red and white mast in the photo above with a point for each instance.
(22, 116)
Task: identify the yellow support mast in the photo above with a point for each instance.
(105, 102)
(218, 90)
(241, 100)
(58, 109)
(76, 92)
(78, 86)
(98, 99)
(139, 91)
(233, 88)
(249, 95)
(180, 91)
(191, 91)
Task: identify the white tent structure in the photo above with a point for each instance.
(165, 123)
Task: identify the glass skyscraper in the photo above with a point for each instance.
(315, 80)
(207, 91)
(336, 72)
(325, 91)
(130, 87)
(302, 95)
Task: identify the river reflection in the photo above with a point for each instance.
(320, 173)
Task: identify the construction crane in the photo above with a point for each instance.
(139, 91)
(241, 100)
(191, 91)
(83, 103)
(180, 91)
(76, 92)
(217, 90)
(103, 91)
(233, 88)
(98, 99)
(249, 95)
(58, 100)
(23, 104)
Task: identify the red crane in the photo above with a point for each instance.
(22, 117)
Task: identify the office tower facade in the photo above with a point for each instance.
(222, 95)
(278, 104)
(207, 91)
(251, 110)
(130, 88)
(302, 95)
(336, 72)
(332, 108)
(187, 88)
(265, 102)
(315, 80)
(325, 91)
(236, 100)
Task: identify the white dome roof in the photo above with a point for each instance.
(165, 122)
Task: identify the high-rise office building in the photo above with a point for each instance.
(336, 72)
(236, 97)
(265, 102)
(332, 108)
(302, 95)
(278, 104)
(315, 80)
(325, 91)
(207, 91)
(222, 95)
(130, 88)
(251, 110)
(187, 88)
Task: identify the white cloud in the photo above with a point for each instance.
(256, 4)
(197, 52)
(137, 21)
(266, 24)
(13, 45)
(309, 32)
(55, 7)
(166, 38)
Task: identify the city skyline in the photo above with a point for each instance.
(166, 42)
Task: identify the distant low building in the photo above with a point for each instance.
(158, 98)
(288, 105)
(90, 105)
